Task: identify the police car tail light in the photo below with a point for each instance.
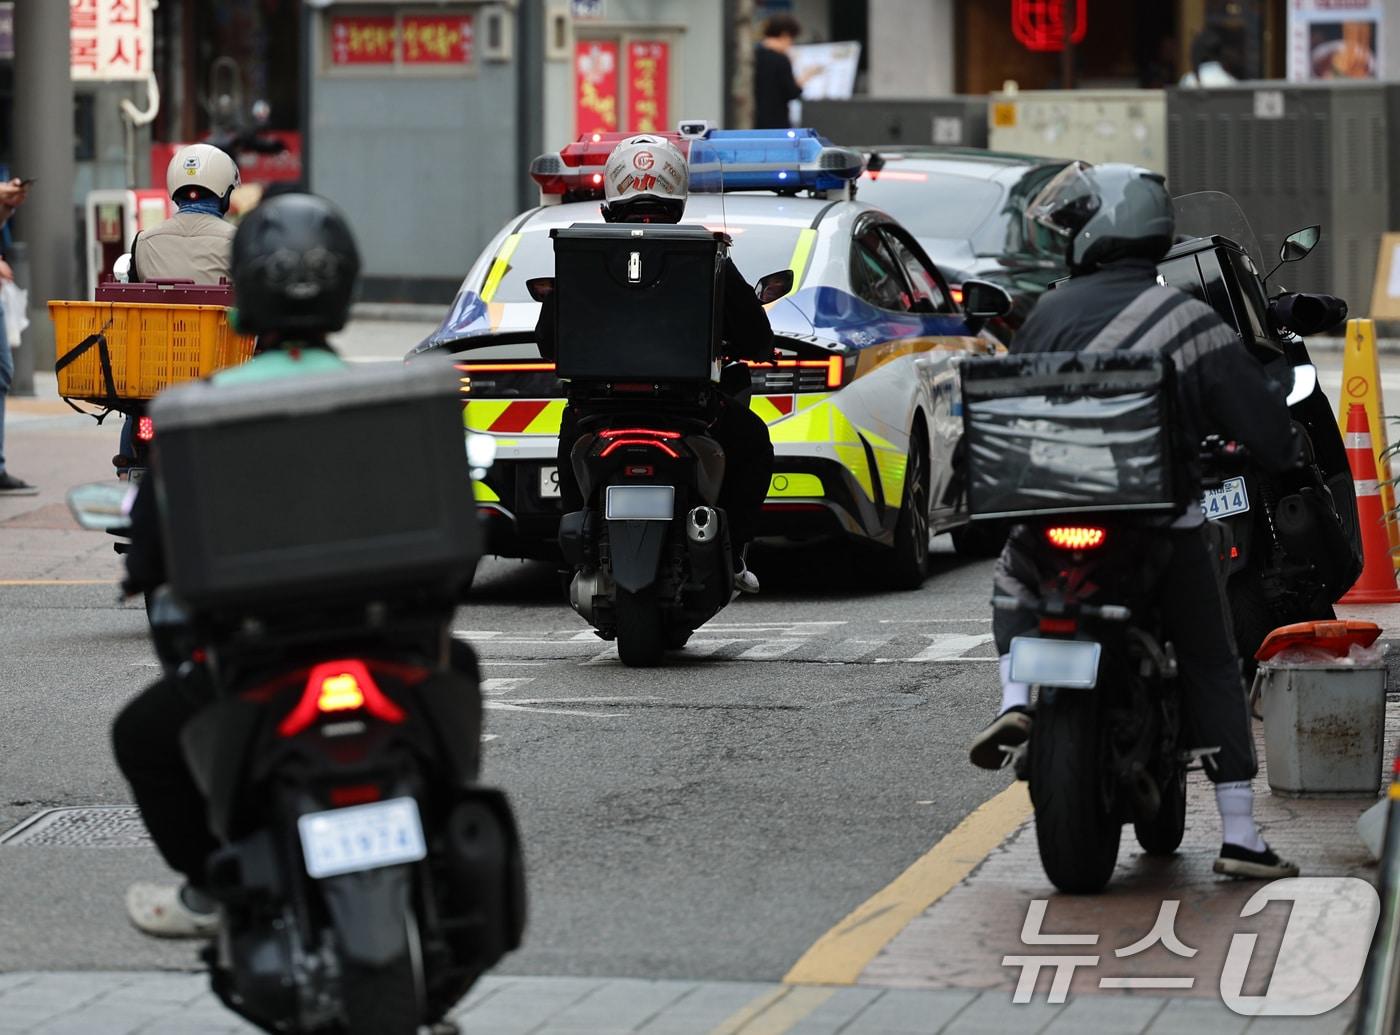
(802, 375)
(145, 429)
(1075, 537)
(335, 687)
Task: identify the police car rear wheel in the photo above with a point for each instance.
(905, 563)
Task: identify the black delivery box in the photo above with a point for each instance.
(348, 484)
(637, 302)
(1068, 432)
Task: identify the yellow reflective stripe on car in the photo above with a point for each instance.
(484, 493)
(804, 485)
(875, 356)
(772, 408)
(479, 413)
(801, 255)
(499, 267)
(508, 416)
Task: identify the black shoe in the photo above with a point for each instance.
(1010, 729)
(12, 486)
(1235, 861)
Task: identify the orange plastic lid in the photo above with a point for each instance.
(1333, 636)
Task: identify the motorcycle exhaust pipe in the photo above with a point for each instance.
(702, 525)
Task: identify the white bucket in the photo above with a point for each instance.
(1324, 727)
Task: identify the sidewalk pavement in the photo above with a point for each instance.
(117, 1003)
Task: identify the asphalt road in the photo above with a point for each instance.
(710, 819)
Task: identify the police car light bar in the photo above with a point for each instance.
(780, 160)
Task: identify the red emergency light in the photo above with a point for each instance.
(576, 171)
(1040, 24)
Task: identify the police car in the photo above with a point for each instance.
(862, 407)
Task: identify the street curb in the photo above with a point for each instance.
(406, 312)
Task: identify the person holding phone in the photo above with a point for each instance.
(12, 195)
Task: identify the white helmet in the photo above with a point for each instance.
(202, 165)
(645, 176)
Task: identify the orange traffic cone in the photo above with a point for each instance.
(1377, 582)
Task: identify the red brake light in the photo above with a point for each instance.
(145, 429)
(615, 444)
(654, 433)
(1058, 626)
(835, 367)
(339, 686)
(354, 794)
(1076, 537)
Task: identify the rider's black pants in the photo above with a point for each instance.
(1197, 621)
(748, 468)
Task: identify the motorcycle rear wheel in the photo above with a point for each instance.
(641, 633)
(1077, 838)
(1162, 834)
(380, 1000)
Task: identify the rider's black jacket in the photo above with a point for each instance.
(1222, 389)
(746, 331)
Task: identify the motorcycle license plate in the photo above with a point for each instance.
(361, 837)
(1065, 663)
(641, 502)
(1230, 498)
(549, 483)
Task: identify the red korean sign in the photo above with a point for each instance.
(648, 86)
(363, 40)
(109, 39)
(437, 40)
(595, 86)
(283, 166)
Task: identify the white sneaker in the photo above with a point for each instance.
(158, 910)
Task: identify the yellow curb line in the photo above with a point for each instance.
(839, 956)
(774, 1012)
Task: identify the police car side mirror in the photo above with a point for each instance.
(540, 288)
(774, 286)
(983, 300)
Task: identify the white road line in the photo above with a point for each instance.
(947, 647)
(513, 664)
(504, 684)
(704, 648)
(607, 657)
(930, 621)
(769, 649)
(853, 648)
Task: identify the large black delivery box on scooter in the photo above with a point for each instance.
(352, 484)
(637, 302)
(1069, 432)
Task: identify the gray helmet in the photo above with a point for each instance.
(1106, 212)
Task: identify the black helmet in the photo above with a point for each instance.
(1106, 212)
(294, 266)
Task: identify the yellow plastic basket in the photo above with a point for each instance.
(149, 347)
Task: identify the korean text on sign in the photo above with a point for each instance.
(357, 40)
(595, 79)
(437, 41)
(109, 39)
(648, 78)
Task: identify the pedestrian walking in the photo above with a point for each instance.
(12, 195)
(774, 84)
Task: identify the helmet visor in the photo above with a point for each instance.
(1066, 203)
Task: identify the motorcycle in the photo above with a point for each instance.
(650, 551)
(364, 878)
(1293, 543)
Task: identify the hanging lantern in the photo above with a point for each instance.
(1040, 24)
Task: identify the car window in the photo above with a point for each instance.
(928, 293)
(875, 275)
(929, 203)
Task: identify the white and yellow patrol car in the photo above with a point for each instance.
(863, 407)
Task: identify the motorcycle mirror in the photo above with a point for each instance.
(774, 286)
(1304, 383)
(1298, 244)
(540, 288)
(101, 505)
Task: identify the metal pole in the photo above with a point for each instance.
(1067, 54)
(741, 81)
(529, 96)
(43, 108)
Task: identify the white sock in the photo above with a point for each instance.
(1013, 694)
(1236, 804)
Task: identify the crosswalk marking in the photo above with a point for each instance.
(769, 649)
(853, 648)
(947, 647)
(496, 685)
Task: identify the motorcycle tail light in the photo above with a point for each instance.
(354, 794)
(338, 687)
(1058, 626)
(1075, 537)
(145, 429)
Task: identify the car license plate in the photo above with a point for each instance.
(1230, 498)
(549, 483)
(362, 837)
(641, 502)
(1066, 663)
